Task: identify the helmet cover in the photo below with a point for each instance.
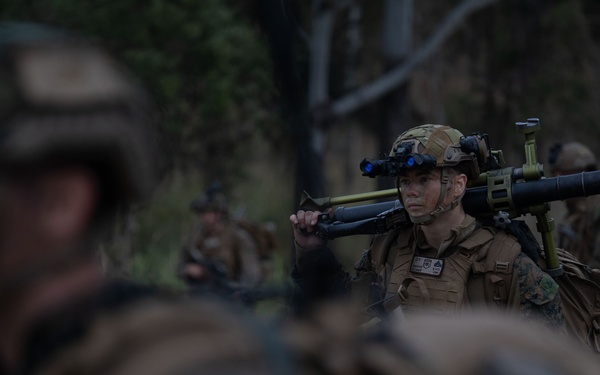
(439, 141)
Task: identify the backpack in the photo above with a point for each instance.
(264, 237)
(579, 287)
(580, 294)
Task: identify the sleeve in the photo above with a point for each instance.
(250, 267)
(538, 293)
(317, 276)
(594, 260)
(185, 258)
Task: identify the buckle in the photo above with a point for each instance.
(403, 293)
(502, 266)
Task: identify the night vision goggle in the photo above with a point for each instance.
(396, 165)
(404, 159)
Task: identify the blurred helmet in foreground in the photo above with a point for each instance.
(66, 102)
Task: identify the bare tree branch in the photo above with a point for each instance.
(396, 76)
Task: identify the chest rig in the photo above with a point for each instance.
(477, 270)
(222, 248)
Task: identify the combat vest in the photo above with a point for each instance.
(222, 248)
(478, 270)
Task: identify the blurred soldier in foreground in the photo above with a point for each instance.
(579, 233)
(225, 254)
(475, 343)
(75, 151)
(443, 260)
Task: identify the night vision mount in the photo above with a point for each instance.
(404, 158)
(395, 165)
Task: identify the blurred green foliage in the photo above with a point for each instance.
(209, 73)
(204, 62)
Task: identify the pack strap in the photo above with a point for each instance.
(402, 295)
(381, 249)
(497, 269)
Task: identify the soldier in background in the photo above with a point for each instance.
(225, 254)
(578, 233)
(76, 150)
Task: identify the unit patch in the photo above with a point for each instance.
(427, 266)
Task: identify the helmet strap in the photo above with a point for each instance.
(429, 218)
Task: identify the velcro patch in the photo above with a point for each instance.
(427, 266)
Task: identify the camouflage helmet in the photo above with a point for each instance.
(571, 156)
(441, 143)
(210, 202)
(64, 101)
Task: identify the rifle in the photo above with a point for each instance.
(500, 194)
(217, 284)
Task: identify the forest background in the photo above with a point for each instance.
(274, 97)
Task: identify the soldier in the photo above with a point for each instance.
(578, 234)
(75, 151)
(220, 257)
(474, 343)
(444, 260)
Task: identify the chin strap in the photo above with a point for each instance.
(429, 218)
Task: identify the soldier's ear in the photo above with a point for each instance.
(460, 184)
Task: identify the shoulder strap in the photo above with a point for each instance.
(579, 288)
(496, 268)
(381, 248)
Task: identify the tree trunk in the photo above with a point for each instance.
(397, 45)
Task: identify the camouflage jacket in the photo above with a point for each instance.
(579, 233)
(54, 333)
(134, 329)
(233, 253)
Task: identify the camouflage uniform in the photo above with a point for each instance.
(578, 233)
(400, 272)
(232, 254)
(474, 343)
(532, 293)
(157, 337)
(226, 251)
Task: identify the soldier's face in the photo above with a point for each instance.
(44, 214)
(211, 219)
(420, 190)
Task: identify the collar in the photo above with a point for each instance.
(456, 236)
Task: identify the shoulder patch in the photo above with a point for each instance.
(536, 285)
